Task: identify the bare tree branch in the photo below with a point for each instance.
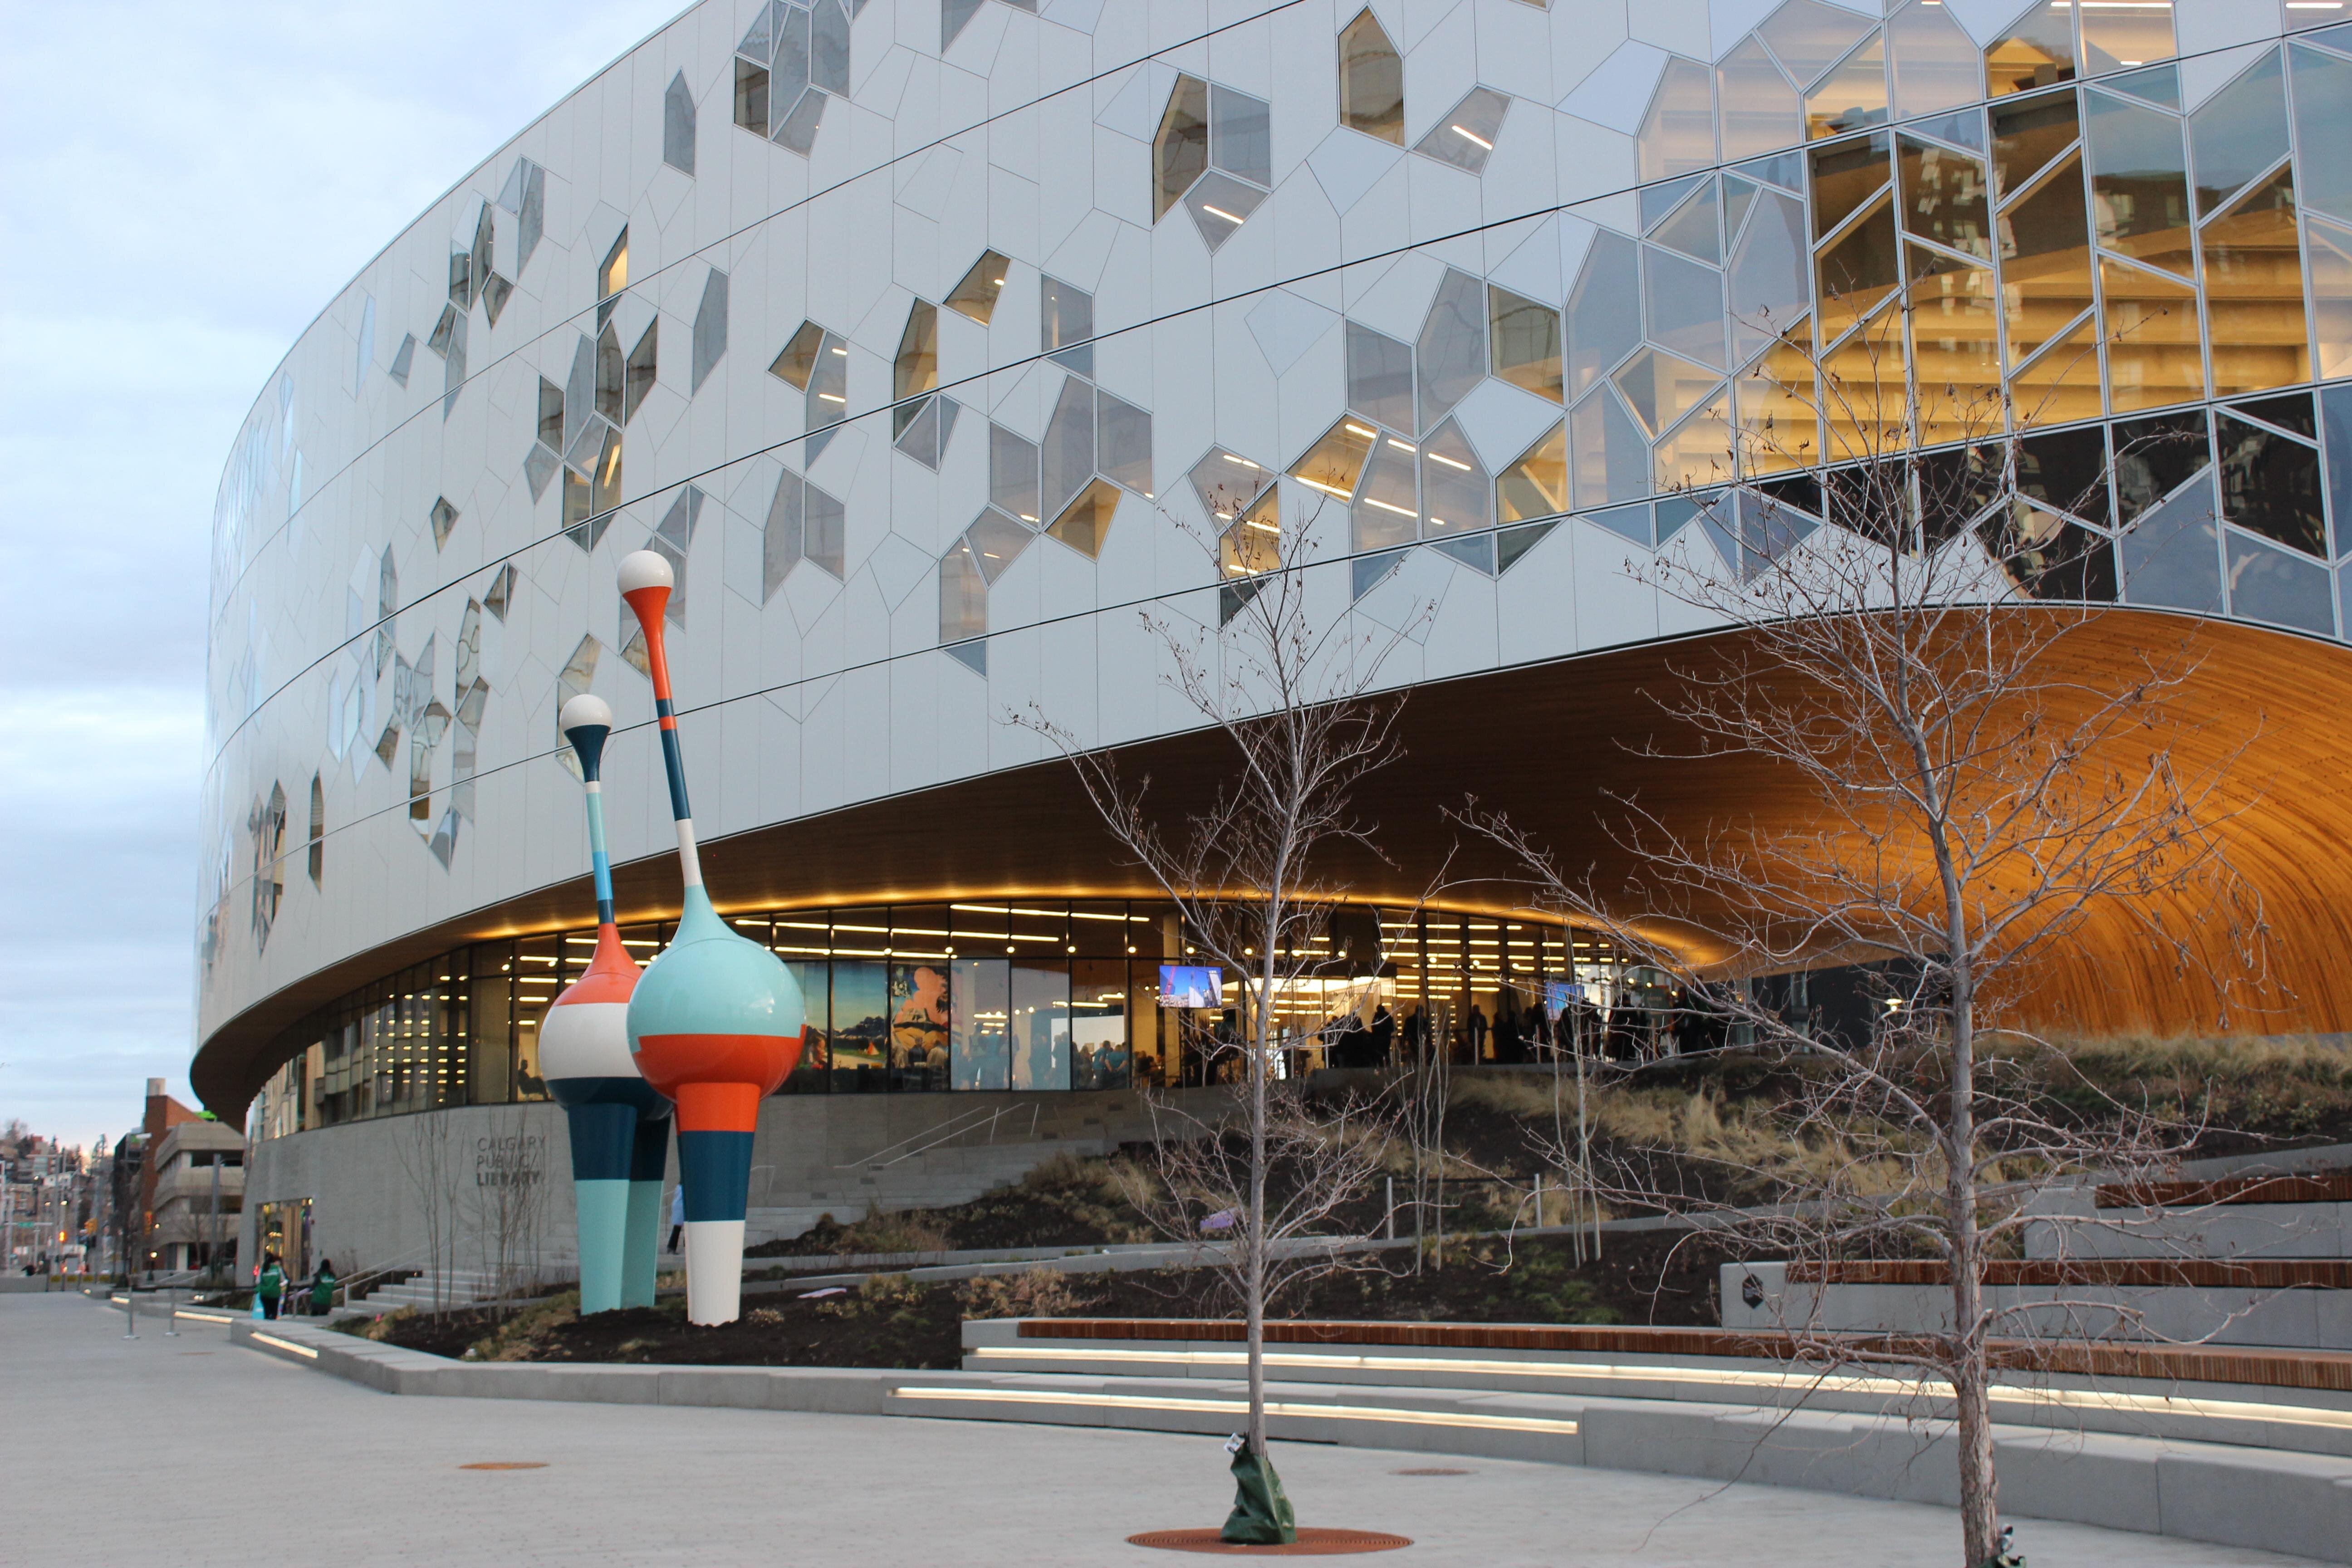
(1981, 799)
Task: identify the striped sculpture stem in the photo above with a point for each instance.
(619, 1124)
(717, 1022)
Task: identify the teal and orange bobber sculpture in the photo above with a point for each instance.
(717, 1022)
(619, 1125)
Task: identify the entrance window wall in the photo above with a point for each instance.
(1024, 994)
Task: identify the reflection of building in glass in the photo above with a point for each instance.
(1035, 329)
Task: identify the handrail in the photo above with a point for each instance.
(953, 1127)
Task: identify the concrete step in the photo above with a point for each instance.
(2315, 1186)
(458, 1289)
(2293, 1420)
(2269, 1499)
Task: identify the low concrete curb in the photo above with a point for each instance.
(2278, 1501)
(389, 1369)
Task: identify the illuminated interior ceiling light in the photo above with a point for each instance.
(1449, 462)
(1220, 212)
(1355, 429)
(1473, 137)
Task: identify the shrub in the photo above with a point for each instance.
(1037, 1293)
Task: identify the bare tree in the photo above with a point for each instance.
(1902, 660)
(510, 1202)
(429, 1160)
(1254, 874)
(1300, 1160)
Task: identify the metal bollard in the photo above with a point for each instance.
(130, 1305)
(172, 1314)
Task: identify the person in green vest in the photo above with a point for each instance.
(270, 1286)
(322, 1288)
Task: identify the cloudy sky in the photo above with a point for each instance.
(186, 185)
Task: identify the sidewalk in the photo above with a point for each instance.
(263, 1459)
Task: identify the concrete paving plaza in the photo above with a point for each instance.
(188, 1450)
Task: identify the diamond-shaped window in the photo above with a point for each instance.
(996, 540)
(964, 595)
(1536, 485)
(1465, 138)
(916, 370)
(1086, 522)
(1213, 152)
(1228, 482)
(1012, 474)
(1371, 80)
(796, 361)
(816, 363)
(1253, 544)
(1334, 464)
(641, 368)
(976, 295)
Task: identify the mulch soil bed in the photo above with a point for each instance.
(1661, 1277)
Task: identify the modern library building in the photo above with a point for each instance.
(947, 348)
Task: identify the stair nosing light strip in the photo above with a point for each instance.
(1235, 1406)
(2087, 1399)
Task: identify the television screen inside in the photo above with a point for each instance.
(1191, 985)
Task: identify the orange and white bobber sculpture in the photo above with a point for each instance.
(620, 1127)
(717, 1022)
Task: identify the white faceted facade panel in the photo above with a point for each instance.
(929, 339)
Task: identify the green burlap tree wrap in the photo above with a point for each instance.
(1262, 1515)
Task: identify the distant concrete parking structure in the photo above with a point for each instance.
(300, 1467)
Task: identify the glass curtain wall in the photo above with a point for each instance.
(1025, 995)
(1855, 236)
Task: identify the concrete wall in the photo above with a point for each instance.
(2228, 1230)
(2298, 1318)
(814, 1155)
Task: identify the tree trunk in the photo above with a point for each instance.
(1255, 1285)
(1979, 1487)
(1980, 1512)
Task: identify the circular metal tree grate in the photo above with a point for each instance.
(1311, 1542)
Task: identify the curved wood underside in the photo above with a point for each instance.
(1556, 747)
